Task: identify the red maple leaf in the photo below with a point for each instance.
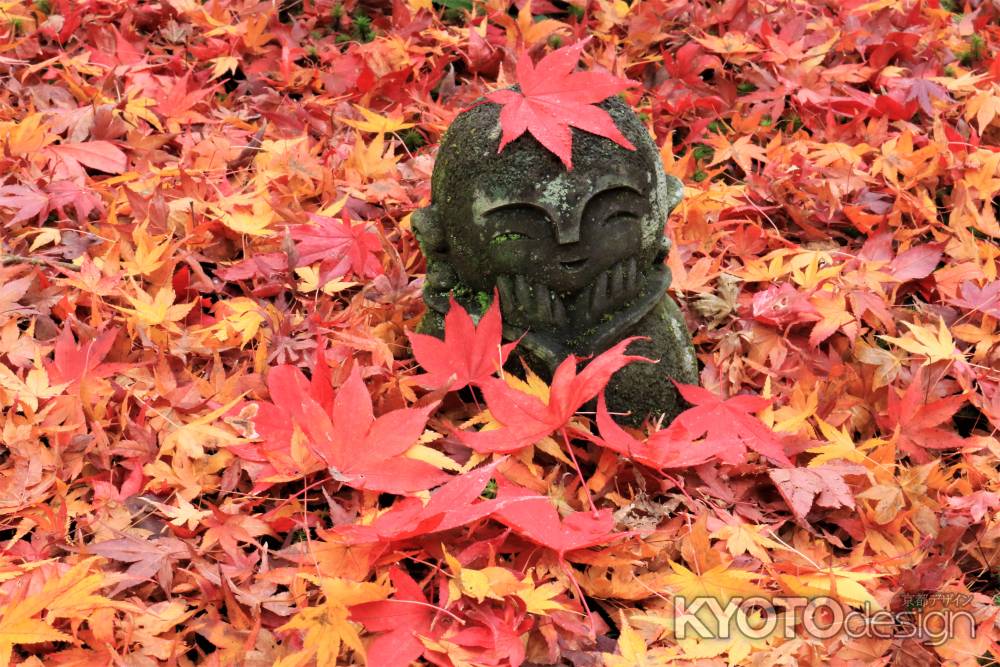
(727, 426)
(527, 418)
(666, 448)
(467, 355)
(535, 517)
(73, 362)
(452, 505)
(341, 246)
(553, 97)
(917, 423)
(359, 449)
(400, 618)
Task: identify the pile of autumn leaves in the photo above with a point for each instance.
(307, 427)
(342, 435)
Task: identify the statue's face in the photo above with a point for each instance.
(562, 232)
(561, 247)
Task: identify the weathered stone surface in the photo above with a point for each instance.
(576, 256)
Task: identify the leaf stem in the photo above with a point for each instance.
(579, 472)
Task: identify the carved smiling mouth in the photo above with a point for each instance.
(574, 264)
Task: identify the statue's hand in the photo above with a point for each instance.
(532, 305)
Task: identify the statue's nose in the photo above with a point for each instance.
(568, 229)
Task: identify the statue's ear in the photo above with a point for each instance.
(674, 192)
(429, 232)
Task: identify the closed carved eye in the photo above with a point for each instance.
(619, 217)
(508, 236)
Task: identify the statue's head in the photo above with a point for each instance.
(563, 247)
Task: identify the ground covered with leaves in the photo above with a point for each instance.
(220, 444)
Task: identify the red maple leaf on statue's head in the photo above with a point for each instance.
(468, 354)
(553, 97)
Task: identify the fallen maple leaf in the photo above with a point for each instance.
(527, 419)
(359, 450)
(552, 98)
(727, 426)
(28, 201)
(918, 424)
(665, 448)
(341, 246)
(467, 355)
(985, 299)
(535, 517)
(374, 122)
(70, 595)
(451, 505)
(939, 346)
(401, 619)
(632, 650)
(326, 626)
(722, 582)
(100, 155)
(915, 263)
(823, 485)
(73, 362)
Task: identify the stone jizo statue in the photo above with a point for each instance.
(577, 256)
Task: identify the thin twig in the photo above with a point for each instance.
(37, 261)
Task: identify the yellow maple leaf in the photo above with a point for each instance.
(184, 513)
(16, 627)
(538, 599)
(326, 626)
(490, 582)
(374, 160)
(140, 108)
(841, 446)
(744, 538)
(71, 595)
(308, 281)
(28, 136)
(240, 317)
(374, 122)
(731, 45)
(938, 346)
(741, 151)
(34, 388)
(811, 268)
(802, 404)
(769, 268)
(718, 633)
(985, 106)
(150, 252)
(247, 214)
(159, 310)
(720, 582)
(836, 582)
(223, 64)
(632, 649)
